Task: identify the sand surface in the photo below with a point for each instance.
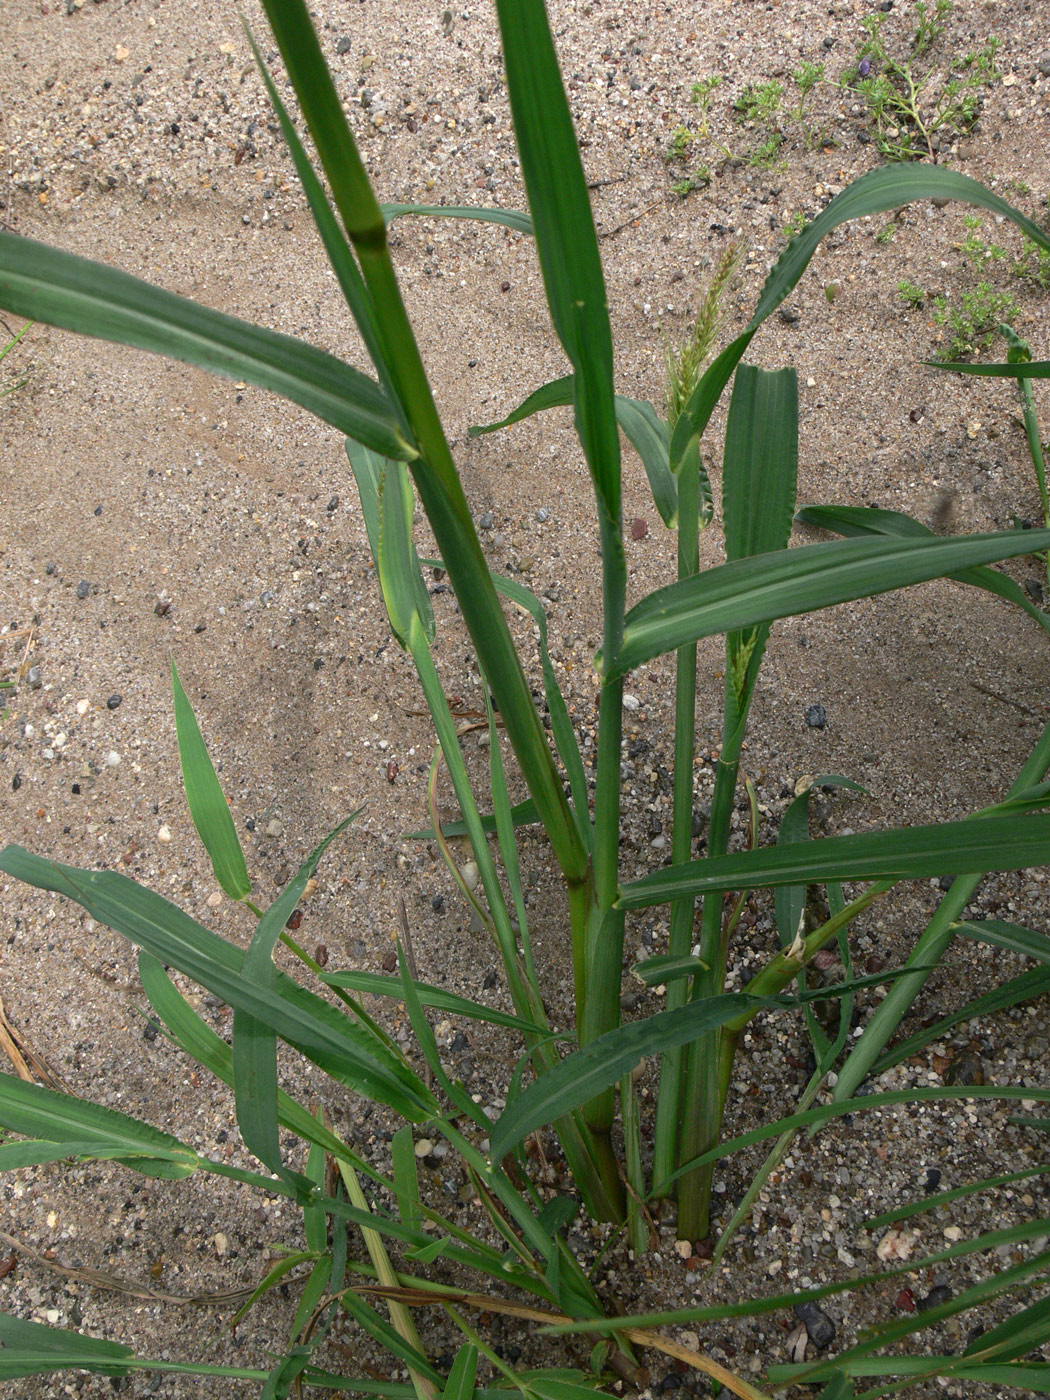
(213, 524)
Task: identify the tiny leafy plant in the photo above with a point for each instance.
(972, 323)
(14, 337)
(910, 293)
(575, 1081)
(912, 107)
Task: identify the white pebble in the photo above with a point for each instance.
(83, 706)
(164, 834)
(214, 899)
(424, 1147)
(631, 702)
(112, 759)
(222, 1244)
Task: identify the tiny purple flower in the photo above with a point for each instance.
(864, 68)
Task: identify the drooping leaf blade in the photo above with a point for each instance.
(509, 218)
(868, 520)
(93, 299)
(318, 1030)
(578, 1077)
(50, 1116)
(748, 592)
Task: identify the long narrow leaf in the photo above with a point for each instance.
(78, 295)
(1000, 934)
(879, 190)
(381, 985)
(751, 591)
(918, 852)
(46, 1114)
(320, 1031)
(580, 1076)
(254, 1042)
(509, 218)
(566, 240)
(868, 520)
(1029, 369)
(205, 799)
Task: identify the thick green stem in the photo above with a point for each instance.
(599, 1011)
(703, 1099)
(669, 1102)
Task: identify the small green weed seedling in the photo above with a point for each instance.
(911, 294)
(587, 1097)
(972, 323)
(13, 340)
(913, 110)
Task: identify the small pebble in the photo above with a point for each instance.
(935, 1297)
(83, 706)
(83, 588)
(487, 521)
(820, 1327)
(543, 515)
(788, 315)
(34, 678)
(274, 827)
(214, 899)
(639, 529)
(816, 717)
(114, 701)
(164, 834)
(423, 1148)
(112, 759)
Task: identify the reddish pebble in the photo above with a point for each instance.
(295, 919)
(321, 955)
(905, 1301)
(504, 286)
(390, 962)
(392, 771)
(639, 529)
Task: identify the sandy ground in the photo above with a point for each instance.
(152, 512)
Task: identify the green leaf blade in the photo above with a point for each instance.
(205, 798)
(976, 845)
(63, 290)
(749, 592)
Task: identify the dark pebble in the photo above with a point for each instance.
(504, 286)
(933, 1178)
(789, 315)
(487, 521)
(816, 717)
(75, 789)
(945, 882)
(150, 1031)
(16, 782)
(490, 980)
(51, 569)
(820, 1327)
(390, 962)
(934, 1299)
(343, 45)
(162, 607)
(83, 588)
(639, 529)
(459, 1043)
(966, 1068)
(333, 504)
(437, 903)
(115, 700)
(98, 510)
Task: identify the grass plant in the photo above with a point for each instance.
(398, 451)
